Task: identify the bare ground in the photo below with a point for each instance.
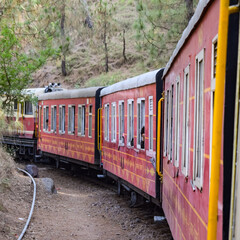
(80, 210)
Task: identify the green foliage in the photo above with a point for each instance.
(159, 25)
(17, 67)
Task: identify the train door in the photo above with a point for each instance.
(235, 213)
(234, 223)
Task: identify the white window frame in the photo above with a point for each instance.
(198, 155)
(177, 122)
(90, 117)
(71, 121)
(25, 108)
(130, 122)
(113, 122)
(81, 120)
(45, 118)
(121, 118)
(53, 118)
(62, 120)
(150, 122)
(185, 122)
(140, 121)
(106, 120)
(213, 83)
(170, 127)
(39, 117)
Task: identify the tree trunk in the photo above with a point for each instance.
(64, 72)
(124, 47)
(105, 44)
(189, 6)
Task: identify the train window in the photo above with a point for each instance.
(15, 105)
(28, 108)
(90, 121)
(185, 135)
(71, 119)
(213, 80)
(81, 120)
(130, 123)
(113, 123)
(170, 142)
(177, 119)
(106, 119)
(121, 121)
(45, 118)
(53, 118)
(166, 124)
(198, 121)
(62, 119)
(150, 120)
(141, 123)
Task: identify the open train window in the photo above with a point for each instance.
(185, 128)
(53, 118)
(45, 118)
(81, 120)
(198, 121)
(90, 121)
(113, 122)
(15, 105)
(130, 123)
(28, 108)
(71, 119)
(170, 142)
(150, 121)
(62, 119)
(121, 121)
(213, 82)
(106, 122)
(177, 120)
(141, 123)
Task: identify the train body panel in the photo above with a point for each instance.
(68, 126)
(122, 152)
(189, 91)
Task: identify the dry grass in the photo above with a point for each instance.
(7, 168)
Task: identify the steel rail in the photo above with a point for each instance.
(32, 207)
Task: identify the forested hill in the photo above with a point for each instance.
(95, 42)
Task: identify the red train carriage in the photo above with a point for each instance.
(129, 133)
(189, 85)
(24, 140)
(68, 126)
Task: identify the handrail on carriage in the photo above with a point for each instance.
(158, 163)
(225, 11)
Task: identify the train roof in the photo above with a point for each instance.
(201, 7)
(33, 91)
(130, 83)
(73, 93)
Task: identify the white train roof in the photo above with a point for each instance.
(33, 91)
(186, 33)
(130, 83)
(73, 93)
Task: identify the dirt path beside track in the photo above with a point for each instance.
(83, 210)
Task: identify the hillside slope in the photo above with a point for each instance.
(86, 56)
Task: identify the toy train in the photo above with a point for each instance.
(156, 134)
